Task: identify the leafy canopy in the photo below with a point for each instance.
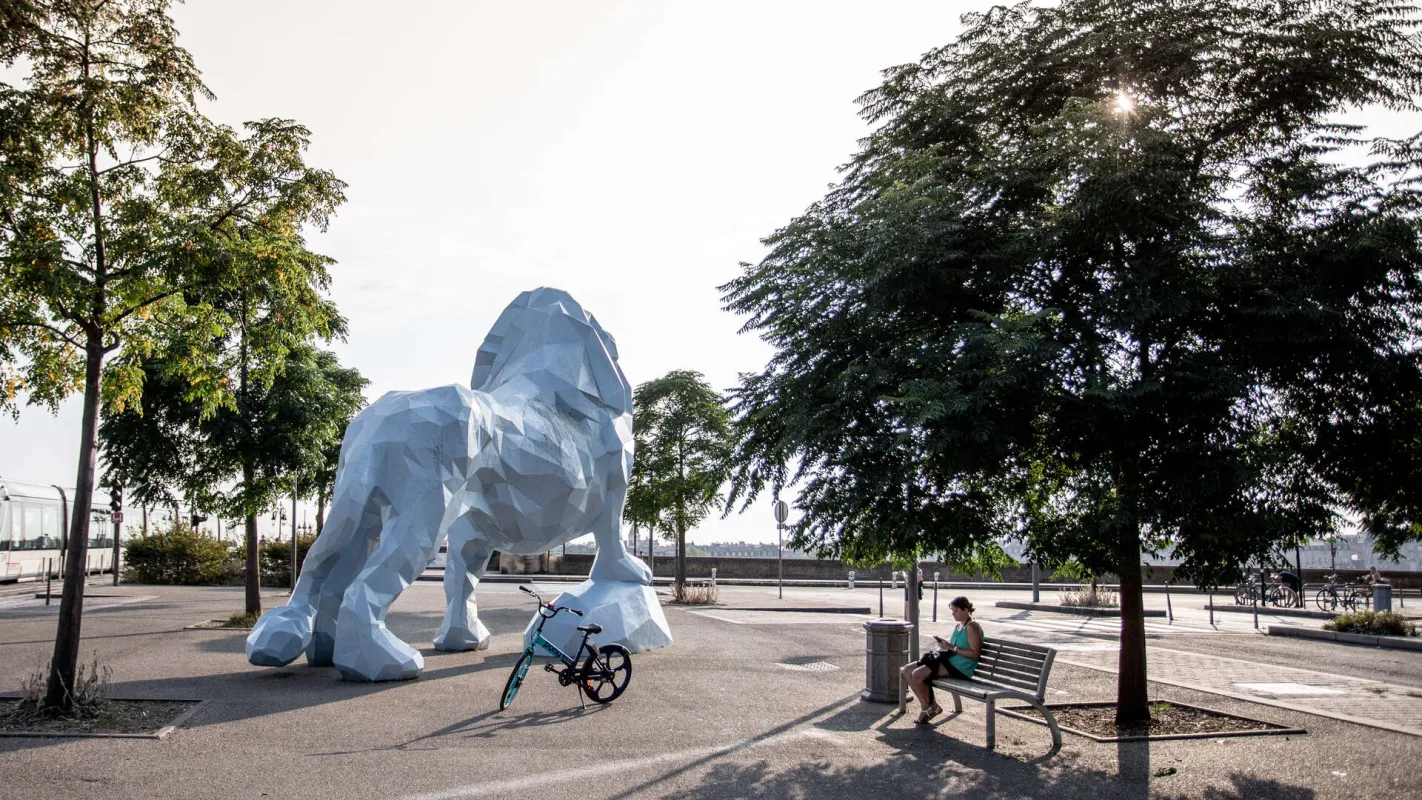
(1105, 277)
(682, 432)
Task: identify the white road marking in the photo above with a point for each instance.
(515, 786)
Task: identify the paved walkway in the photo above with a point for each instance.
(1359, 700)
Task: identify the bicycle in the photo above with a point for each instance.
(1327, 597)
(603, 674)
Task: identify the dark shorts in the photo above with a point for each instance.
(942, 667)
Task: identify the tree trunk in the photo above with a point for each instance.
(320, 510)
(254, 566)
(64, 664)
(680, 590)
(1131, 700)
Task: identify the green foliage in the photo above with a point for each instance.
(1107, 278)
(178, 556)
(132, 225)
(683, 441)
(287, 429)
(1382, 623)
(276, 558)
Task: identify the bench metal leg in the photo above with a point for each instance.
(957, 704)
(1051, 723)
(992, 724)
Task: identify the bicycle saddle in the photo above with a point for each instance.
(591, 627)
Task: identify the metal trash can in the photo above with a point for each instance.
(886, 650)
(1382, 597)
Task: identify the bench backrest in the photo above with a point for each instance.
(1016, 664)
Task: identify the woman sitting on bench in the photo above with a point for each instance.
(957, 657)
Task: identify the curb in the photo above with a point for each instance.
(1274, 611)
(858, 610)
(1079, 611)
(1367, 640)
(1263, 701)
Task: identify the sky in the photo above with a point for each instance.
(633, 153)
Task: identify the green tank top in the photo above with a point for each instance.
(965, 665)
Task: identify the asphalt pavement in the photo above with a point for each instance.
(759, 704)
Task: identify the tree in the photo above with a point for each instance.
(120, 207)
(1105, 278)
(280, 434)
(683, 442)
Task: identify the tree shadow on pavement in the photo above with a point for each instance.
(947, 778)
(923, 762)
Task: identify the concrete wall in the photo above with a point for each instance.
(699, 568)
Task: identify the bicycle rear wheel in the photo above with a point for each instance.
(606, 673)
(515, 679)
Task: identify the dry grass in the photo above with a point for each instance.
(89, 697)
(242, 620)
(694, 594)
(1089, 597)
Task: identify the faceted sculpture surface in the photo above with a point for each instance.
(537, 452)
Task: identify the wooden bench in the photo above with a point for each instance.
(1007, 670)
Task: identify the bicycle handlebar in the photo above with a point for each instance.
(549, 606)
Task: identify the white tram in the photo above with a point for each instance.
(34, 530)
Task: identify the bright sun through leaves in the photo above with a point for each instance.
(1124, 103)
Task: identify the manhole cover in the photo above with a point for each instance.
(813, 666)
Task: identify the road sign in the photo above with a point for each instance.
(118, 516)
(782, 511)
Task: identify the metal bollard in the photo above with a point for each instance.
(48, 570)
(935, 596)
(851, 579)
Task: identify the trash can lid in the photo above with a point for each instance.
(887, 624)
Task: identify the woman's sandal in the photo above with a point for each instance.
(928, 714)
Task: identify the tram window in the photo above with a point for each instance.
(100, 529)
(49, 521)
(31, 531)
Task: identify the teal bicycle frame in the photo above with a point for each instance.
(569, 675)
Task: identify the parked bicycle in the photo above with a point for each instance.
(601, 673)
(1276, 593)
(1348, 595)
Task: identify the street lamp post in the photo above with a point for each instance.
(782, 513)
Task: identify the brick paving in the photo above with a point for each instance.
(1359, 700)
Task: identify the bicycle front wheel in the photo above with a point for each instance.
(515, 679)
(1327, 600)
(606, 673)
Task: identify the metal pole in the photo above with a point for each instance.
(1036, 582)
(117, 526)
(779, 556)
(1298, 570)
(881, 598)
(1212, 609)
(294, 488)
(1257, 597)
(935, 596)
(1169, 612)
(48, 569)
